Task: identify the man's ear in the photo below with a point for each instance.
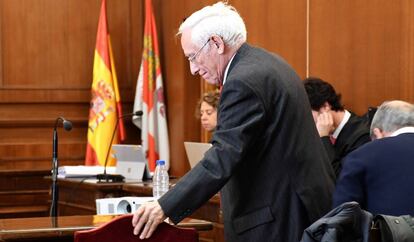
(218, 44)
(377, 133)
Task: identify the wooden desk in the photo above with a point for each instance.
(23, 193)
(77, 198)
(63, 228)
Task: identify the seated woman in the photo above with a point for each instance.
(206, 110)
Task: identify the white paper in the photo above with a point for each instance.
(83, 171)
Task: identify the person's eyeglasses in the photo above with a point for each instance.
(194, 56)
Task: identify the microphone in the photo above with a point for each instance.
(67, 125)
(104, 177)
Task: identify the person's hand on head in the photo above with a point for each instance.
(147, 218)
(325, 124)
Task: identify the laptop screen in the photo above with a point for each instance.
(195, 151)
(131, 162)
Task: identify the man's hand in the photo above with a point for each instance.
(325, 124)
(147, 217)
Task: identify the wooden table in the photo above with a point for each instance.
(63, 228)
(77, 196)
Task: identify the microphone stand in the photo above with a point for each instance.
(55, 189)
(105, 177)
(55, 192)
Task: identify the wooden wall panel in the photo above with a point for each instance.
(54, 41)
(278, 26)
(47, 51)
(80, 21)
(1, 44)
(27, 35)
(182, 89)
(364, 48)
(135, 43)
(406, 55)
(46, 63)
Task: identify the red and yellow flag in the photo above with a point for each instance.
(105, 104)
(149, 96)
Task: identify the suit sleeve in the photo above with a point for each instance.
(240, 121)
(330, 151)
(350, 185)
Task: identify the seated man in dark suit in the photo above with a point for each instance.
(341, 131)
(379, 175)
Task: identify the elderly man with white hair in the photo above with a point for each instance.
(379, 175)
(266, 157)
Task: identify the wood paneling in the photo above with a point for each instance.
(364, 48)
(27, 46)
(47, 50)
(181, 88)
(54, 41)
(1, 45)
(62, 73)
(23, 193)
(279, 26)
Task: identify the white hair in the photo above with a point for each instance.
(218, 19)
(393, 115)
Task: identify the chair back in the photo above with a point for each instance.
(120, 230)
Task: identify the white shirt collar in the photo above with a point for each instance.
(403, 131)
(227, 68)
(341, 125)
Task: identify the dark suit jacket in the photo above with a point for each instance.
(354, 134)
(275, 180)
(379, 176)
(345, 223)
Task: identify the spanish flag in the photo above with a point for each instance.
(149, 96)
(105, 108)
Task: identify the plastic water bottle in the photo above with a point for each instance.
(160, 180)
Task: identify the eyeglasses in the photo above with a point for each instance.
(194, 56)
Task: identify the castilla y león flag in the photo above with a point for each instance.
(105, 104)
(149, 96)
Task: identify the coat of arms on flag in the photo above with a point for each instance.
(105, 103)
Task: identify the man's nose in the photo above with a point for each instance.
(194, 68)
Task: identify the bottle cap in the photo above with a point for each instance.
(160, 162)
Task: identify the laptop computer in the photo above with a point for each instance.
(131, 162)
(195, 151)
